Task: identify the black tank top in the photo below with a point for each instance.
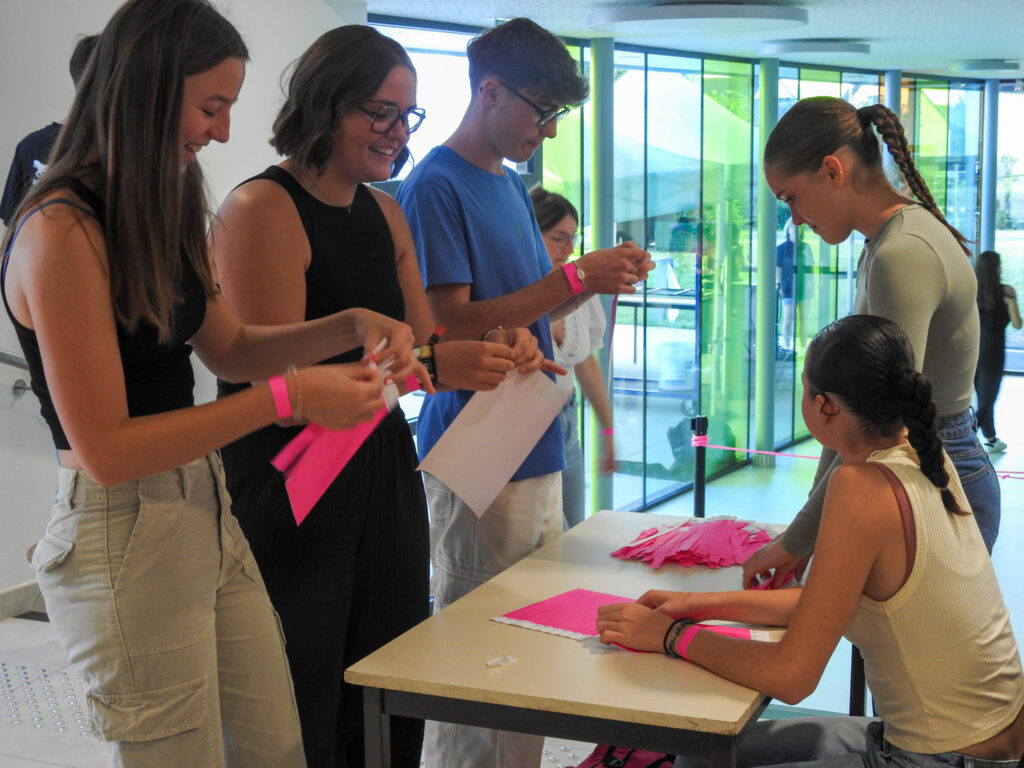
(352, 258)
(158, 376)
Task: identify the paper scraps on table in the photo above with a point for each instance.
(571, 614)
(492, 436)
(716, 542)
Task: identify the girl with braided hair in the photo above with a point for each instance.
(824, 160)
(902, 573)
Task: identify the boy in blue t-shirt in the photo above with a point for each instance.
(485, 267)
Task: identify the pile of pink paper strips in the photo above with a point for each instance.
(715, 542)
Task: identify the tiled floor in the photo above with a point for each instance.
(36, 683)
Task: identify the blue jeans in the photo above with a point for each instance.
(959, 435)
(573, 489)
(834, 742)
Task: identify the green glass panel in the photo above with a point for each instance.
(817, 275)
(931, 123)
(786, 382)
(725, 321)
(670, 188)
(563, 155)
(631, 364)
(962, 207)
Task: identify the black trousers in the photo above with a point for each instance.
(351, 578)
(987, 379)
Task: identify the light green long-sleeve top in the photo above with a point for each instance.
(914, 273)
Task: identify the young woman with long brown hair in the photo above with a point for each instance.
(148, 580)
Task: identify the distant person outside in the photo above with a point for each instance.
(997, 308)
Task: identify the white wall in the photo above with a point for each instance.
(36, 39)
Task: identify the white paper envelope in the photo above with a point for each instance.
(492, 435)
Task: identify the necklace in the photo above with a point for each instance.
(320, 195)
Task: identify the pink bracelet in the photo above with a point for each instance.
(607, 432)
(573, 277)
(282, 403)
(684, 640)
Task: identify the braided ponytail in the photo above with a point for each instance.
(914, 393)
(891, 131)
(867, 362)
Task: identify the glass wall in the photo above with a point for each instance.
(682, 170)
(1009, 240)
(727, 282)
(823, 276)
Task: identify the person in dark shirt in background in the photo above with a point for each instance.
(33, 152)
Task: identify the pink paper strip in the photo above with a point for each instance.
(315, 457)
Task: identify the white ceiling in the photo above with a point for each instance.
(926, 37)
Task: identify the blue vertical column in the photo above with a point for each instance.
(602, 227)
(764, 365)
(989, 165)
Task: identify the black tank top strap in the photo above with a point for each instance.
(93, 207)
(296, 192)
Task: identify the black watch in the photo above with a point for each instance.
(425, 354)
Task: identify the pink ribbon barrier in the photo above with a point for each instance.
(315, 457)
(701, 441)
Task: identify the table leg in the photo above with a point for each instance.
(723, 751)
(376, 729)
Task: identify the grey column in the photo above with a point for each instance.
(989, 166)
(764, 365)
(893, 83)
(602, 226)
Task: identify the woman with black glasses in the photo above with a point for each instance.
(302, 239)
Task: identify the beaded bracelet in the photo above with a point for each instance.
(294, 373)
(668, 643)
(499, 329)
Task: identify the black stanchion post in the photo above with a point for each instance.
(699, 425)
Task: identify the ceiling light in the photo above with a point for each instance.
(984, 65)
(811, 46)
(694, 18)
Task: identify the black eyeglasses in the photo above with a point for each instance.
(544, 116)
(386, 117)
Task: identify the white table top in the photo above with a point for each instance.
(446, 655)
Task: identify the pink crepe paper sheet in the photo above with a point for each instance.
(573, 614)
(570, 614)
(716, 543)
(315, 457)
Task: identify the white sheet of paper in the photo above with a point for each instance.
(489, 439)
